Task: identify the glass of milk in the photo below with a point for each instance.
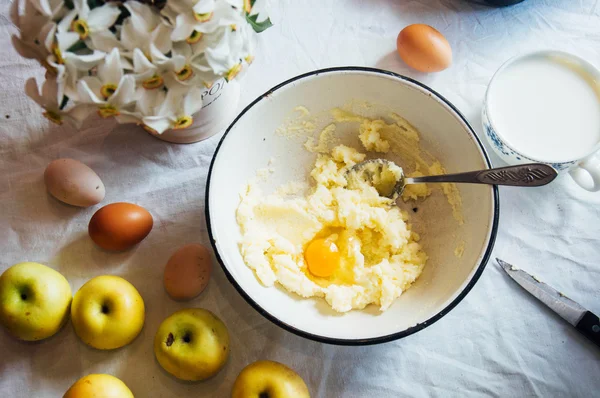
(545, 107)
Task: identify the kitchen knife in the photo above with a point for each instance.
(584, 321)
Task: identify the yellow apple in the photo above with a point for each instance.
(34, 301)
(192, 344)
(98, 386)
(107, 312)
(269, 379)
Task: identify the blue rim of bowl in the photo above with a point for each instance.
(373, 340)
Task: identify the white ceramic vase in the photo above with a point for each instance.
(219, 106)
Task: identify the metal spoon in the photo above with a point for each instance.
(526, 175)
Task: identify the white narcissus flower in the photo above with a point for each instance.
(147, 74)
(68, 65)
(52, 9)
(176, 111)
(111, 90)
(51, 98)
(148, 101)
(149, 69)
(204, 16)
(225, 57)
(92, 26)
(143, 28)
(248, 44)
(183, 65)
(107, 80)
(34, 28)
(147, 104)
(121, 102)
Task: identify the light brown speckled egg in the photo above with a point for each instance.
(74, 183)
(188, 271)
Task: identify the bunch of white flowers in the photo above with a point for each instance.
(140, 63)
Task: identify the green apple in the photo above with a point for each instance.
(192, 344)
(34, 301)
(107, 312)
(269, 379)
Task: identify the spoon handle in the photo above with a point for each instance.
(525, 175)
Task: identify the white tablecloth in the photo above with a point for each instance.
(499, 341)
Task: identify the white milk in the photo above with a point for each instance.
(547, 108)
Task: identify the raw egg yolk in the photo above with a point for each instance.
(322, 257)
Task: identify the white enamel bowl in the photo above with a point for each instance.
(251, 141)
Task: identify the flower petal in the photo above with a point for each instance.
(174, 85)
(177, 63)
(161, 38)
(144, 18)
(42, 6)
(141, 64)
(50, 36)
(59, 11)
(84, 62)
(158, 123)
(30, 21)
(104, 40)
(51, 93)
(125, 117)
(67, 76)
(111, 72)
(184, 26)
(83, 9)
(66, 40)
(129, 35)
(157, 56)
(102, 18)
(204, 6)
(65, 24)
(27, 50)
(169, 12)
(224, 16)
(202, 70)
(192, 102)
(171, 106)
(182, 49)
(180, 6)
(124, 95)
(86, 93)
(149, 100)
(31, 89)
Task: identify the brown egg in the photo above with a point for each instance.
(119, 226)
(74, 183)
(188, 271)
(424, 48)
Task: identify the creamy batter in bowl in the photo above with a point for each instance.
(456, 251)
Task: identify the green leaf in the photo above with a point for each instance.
(69, 4)
(64, 101)
(80, 45)
(258, 26)
(252, 3)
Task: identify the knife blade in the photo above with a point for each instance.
(586, 322)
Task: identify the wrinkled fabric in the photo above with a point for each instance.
(499, 341)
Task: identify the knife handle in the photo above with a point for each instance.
(589, 326)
